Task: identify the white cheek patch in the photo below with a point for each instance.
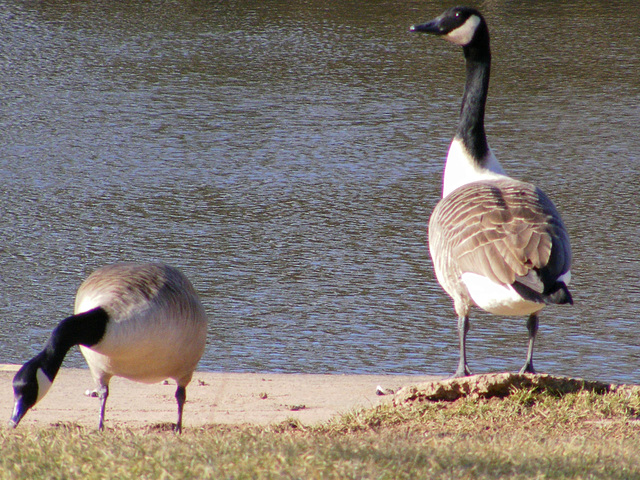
(465, 32)
(44, 384)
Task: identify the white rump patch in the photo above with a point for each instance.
(497, 299)
(44, 384)
(465, 32)
(565, 277)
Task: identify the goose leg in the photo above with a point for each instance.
(181, 397)
(463, 328)
(103, 394)
(532, 326)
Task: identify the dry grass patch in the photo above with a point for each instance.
(527, 434)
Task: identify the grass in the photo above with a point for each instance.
(525, 435)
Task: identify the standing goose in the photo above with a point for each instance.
(495, 242)
(143, 322)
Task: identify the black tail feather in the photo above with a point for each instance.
(557, 294)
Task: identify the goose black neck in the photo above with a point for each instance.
(478, 67)
(86, 329)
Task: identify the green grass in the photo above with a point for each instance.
(526, 435)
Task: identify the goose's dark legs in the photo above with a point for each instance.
(463, 328)
(532, 326)
(103, 394)
(181, 397)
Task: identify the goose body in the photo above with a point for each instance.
(143, 322)
(496, 242)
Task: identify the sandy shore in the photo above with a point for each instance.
(212, 398)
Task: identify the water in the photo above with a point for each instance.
(287, 155)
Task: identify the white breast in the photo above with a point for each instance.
(462, 169)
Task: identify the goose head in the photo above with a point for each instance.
(30, 384)
(462, 26)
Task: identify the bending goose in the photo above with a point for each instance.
(143, 322)
(495, 242)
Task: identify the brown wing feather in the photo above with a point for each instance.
(501, 229)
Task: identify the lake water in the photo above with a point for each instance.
(287, 156)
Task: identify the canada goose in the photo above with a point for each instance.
(495, 242)
(143, 322)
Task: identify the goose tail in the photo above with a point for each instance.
(558, 294)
